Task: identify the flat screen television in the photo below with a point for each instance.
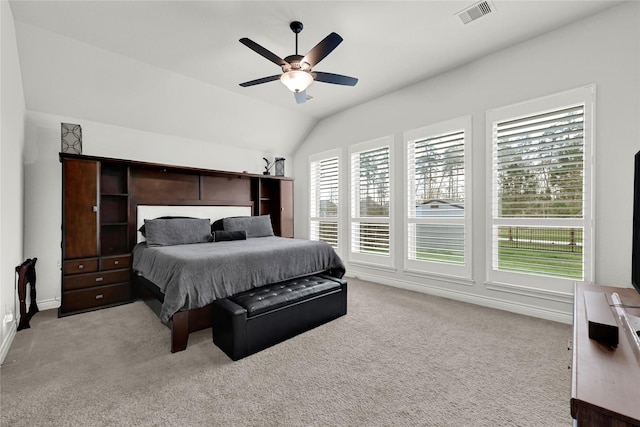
(635, 248)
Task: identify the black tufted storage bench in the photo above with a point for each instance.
(251, 321)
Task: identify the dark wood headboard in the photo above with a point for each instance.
(160, 184)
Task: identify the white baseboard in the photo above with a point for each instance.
(497, 303)
(6, 344)
(48, 304)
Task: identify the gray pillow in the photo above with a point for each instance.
(143, 231)
(255, 226)
(177, 231)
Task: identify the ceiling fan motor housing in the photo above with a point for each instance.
(295, 62)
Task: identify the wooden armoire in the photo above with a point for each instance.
(95, 242)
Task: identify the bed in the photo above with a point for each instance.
(179, 269)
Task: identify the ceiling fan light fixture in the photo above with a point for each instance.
(296, 80)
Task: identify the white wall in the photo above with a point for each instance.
(603, 50)
(43, 178)
(12, 113)
(64, 76)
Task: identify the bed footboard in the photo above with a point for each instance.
(183, 322)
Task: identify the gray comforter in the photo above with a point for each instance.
(192, 276)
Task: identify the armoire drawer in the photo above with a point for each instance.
(80, 281)
(115, 262)
(95, 297)
(78, 266)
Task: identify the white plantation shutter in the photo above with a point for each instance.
(325, 231)
(539, 163)
(541, 197)
(370, 201)
(438, 233)
(436, 198)
(370, 238)
(324, 197)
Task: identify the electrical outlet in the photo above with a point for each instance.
(8, 318)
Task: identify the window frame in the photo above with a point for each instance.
(584, 96)
(429, 267)
(317, 158)
(383, 262)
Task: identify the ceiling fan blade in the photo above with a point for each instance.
(336, 79)
(260, 81)
(301, 97)
(262, 51)
(322, 49)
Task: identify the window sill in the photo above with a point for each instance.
(557, 296)
(458, 280)
(373, 266)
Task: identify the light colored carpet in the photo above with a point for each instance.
(398, 358)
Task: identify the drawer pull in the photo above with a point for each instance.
(99, 279)
(116, 262)
(99, 296)
(80, 267)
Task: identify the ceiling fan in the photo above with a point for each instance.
(296, 69)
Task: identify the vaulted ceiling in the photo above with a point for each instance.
(174, 67)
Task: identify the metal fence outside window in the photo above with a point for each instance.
(547, 238)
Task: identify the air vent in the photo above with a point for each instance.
(476, 11)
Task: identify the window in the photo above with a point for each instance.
(438, 198)
(541, 205)
(324, 197)
(371, 202)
